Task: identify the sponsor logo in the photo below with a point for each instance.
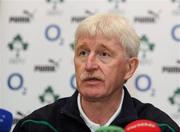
(48, 96)
(19, 116)
(178, 61)
(72, 45)
(143, 83)
(77, 19)
(175, 32)
(54, 9)
(26, 17)
(145, 48)
(53, 34)
(73, 82)
(151, 17)
(17, 45)
(171, 69)
(177, 10)
(51, 67)
(116, 7)
(15, 82)
(174, 100)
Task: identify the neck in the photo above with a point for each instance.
(101, 111)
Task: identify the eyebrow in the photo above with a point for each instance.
(80, 46)
(104, 47)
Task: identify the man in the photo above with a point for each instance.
(106, 50)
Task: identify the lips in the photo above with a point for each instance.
(92, 79)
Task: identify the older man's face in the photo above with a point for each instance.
(101, 67)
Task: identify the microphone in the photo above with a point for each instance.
(6, 120)
(109, 129)
(142, 126)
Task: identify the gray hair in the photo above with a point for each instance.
(110, 25)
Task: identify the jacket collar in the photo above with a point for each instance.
(70, 109)
(128, 112)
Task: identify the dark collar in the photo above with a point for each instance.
(71, 107)
(128, 112)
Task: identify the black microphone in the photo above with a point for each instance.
(6, 120)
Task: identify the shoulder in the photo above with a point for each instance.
(44, 116)
(50, 110)
(150, 112)
(144, 108)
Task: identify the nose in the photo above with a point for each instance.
(91, 63)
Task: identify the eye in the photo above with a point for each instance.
(104, 54)
(83, 53)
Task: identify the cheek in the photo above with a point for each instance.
(115, 71)
(77, 65)
(114, 79)
(78, 70)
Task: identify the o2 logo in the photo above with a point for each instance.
(16, 82)
(143, 82)
(53, 33)
(73, 82)
(175, 32)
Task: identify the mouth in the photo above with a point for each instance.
(92, 81)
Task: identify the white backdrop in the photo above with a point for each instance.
(36, 52)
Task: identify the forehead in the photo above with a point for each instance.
(97, 41)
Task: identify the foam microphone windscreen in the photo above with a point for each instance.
(6, 120)
(142, 126)
(110, 129)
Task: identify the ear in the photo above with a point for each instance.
(132, 65)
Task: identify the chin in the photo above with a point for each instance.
(92, 94)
